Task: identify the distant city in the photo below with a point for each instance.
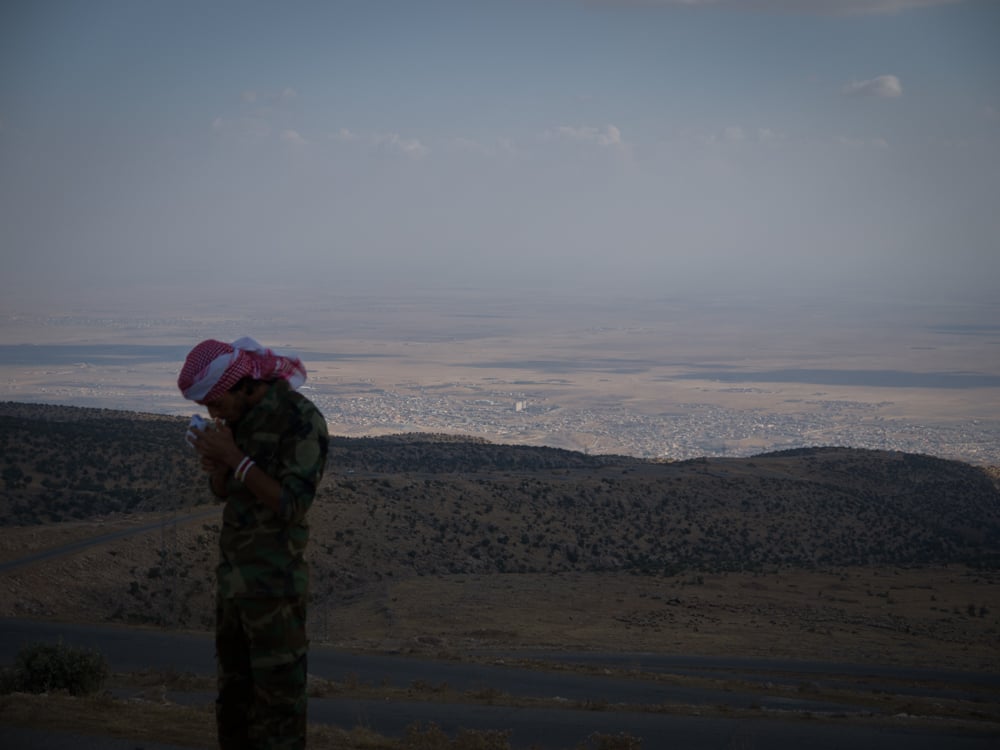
(682, 431)
(689, 430)
(563, 397)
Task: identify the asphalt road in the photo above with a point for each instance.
(81, 544)
(130, 649)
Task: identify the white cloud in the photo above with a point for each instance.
(842, 140)
(610, 136)
(882, 86)
(344, 136)
(265, 100)
(258, 116)
(394, 142)
(241, 128)
(293, 137)
(733, 134)
(818, 7)
(501, 146)
(468, 144)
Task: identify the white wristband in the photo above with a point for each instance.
(243, 468)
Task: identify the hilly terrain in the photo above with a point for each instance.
(439, 542)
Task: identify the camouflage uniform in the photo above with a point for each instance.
(263, 578)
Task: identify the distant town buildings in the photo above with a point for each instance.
(692, 429)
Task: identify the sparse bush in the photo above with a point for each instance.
(8, 680)
(434, 738)
(486, 739)
(44, 667)
(600, 741)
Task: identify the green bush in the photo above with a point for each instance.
(44, 667)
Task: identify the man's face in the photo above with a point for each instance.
(230, 406)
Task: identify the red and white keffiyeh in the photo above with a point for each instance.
(213, 367)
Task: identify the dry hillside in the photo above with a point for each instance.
(454, 513)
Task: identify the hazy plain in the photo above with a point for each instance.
(667, 377)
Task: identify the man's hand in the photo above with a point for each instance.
(211, 466)
(219, 454)
(217, 448)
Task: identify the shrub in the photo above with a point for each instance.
(418, 738)
(600, 741)
(433, 738)
(8, 680)
(43, 667)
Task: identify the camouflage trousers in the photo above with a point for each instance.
(261, 648)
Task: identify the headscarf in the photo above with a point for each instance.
(213, 367)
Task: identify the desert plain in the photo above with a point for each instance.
(666, 378)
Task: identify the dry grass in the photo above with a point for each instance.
(904, 617)
(150, 721)
(107, 717)
(944, 618)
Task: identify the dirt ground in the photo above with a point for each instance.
(945, 618)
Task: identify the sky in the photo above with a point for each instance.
(660, 146)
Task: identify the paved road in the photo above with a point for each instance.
(80, 544)
(16, 738)
(131, 649)
(564, 730)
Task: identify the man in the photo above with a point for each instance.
(264, 455)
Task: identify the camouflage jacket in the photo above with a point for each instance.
(262, 552)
